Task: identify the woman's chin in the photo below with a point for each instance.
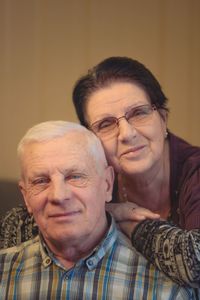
(136, 168)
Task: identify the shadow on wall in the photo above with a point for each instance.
(10, 196)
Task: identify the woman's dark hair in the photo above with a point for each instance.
(112, 70)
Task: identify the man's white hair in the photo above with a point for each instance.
(50, 130)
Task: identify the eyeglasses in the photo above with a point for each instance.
(136, 116)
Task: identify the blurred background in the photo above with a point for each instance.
(46, 45)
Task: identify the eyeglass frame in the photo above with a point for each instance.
(152, 108)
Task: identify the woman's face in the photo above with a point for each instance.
(133, 149)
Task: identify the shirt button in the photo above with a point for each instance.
(90, 262)
(48, 260)
(65, 276)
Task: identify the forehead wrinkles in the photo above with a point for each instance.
(118, 92)
(73, 163)
(55, 150)
(102, 111)
(101, 107)
(107, 101)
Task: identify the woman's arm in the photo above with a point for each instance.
(16, 226)
(174, 251)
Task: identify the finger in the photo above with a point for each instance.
(145, 212)
(137, 214)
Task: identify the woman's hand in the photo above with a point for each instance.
(128, 215)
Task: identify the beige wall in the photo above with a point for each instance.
(46, 45)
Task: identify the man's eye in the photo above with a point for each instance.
(77, 179)
(40, 181)
(38, 185)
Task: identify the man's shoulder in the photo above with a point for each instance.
(138, 271)
(130, 254)
(123, 239)
(25, 250)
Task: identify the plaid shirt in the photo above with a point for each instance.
(113, 271)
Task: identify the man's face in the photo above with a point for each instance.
(63, 190)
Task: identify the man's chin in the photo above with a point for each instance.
(63, 236)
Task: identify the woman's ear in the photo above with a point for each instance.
(164, 114)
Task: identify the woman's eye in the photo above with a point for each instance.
(140, 112)
(106, 123)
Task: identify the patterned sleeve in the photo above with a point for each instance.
(174, 251)
(16, 226)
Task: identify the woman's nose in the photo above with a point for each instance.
(126, 130)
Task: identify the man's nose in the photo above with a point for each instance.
(60, 191)
(126, 130)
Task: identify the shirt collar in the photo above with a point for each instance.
(91, 260)
(104, 247)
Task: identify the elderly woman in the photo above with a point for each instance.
(157, 173)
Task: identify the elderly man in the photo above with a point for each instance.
(78, 253)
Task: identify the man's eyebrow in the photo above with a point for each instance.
(73, 169)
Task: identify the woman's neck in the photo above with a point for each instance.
(150, 190)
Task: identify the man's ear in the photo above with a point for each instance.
(110, 176)
(22, 187)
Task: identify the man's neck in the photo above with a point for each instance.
(69, 252)
(71, 257)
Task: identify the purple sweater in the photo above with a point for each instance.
(184, 183)
(174, 247)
